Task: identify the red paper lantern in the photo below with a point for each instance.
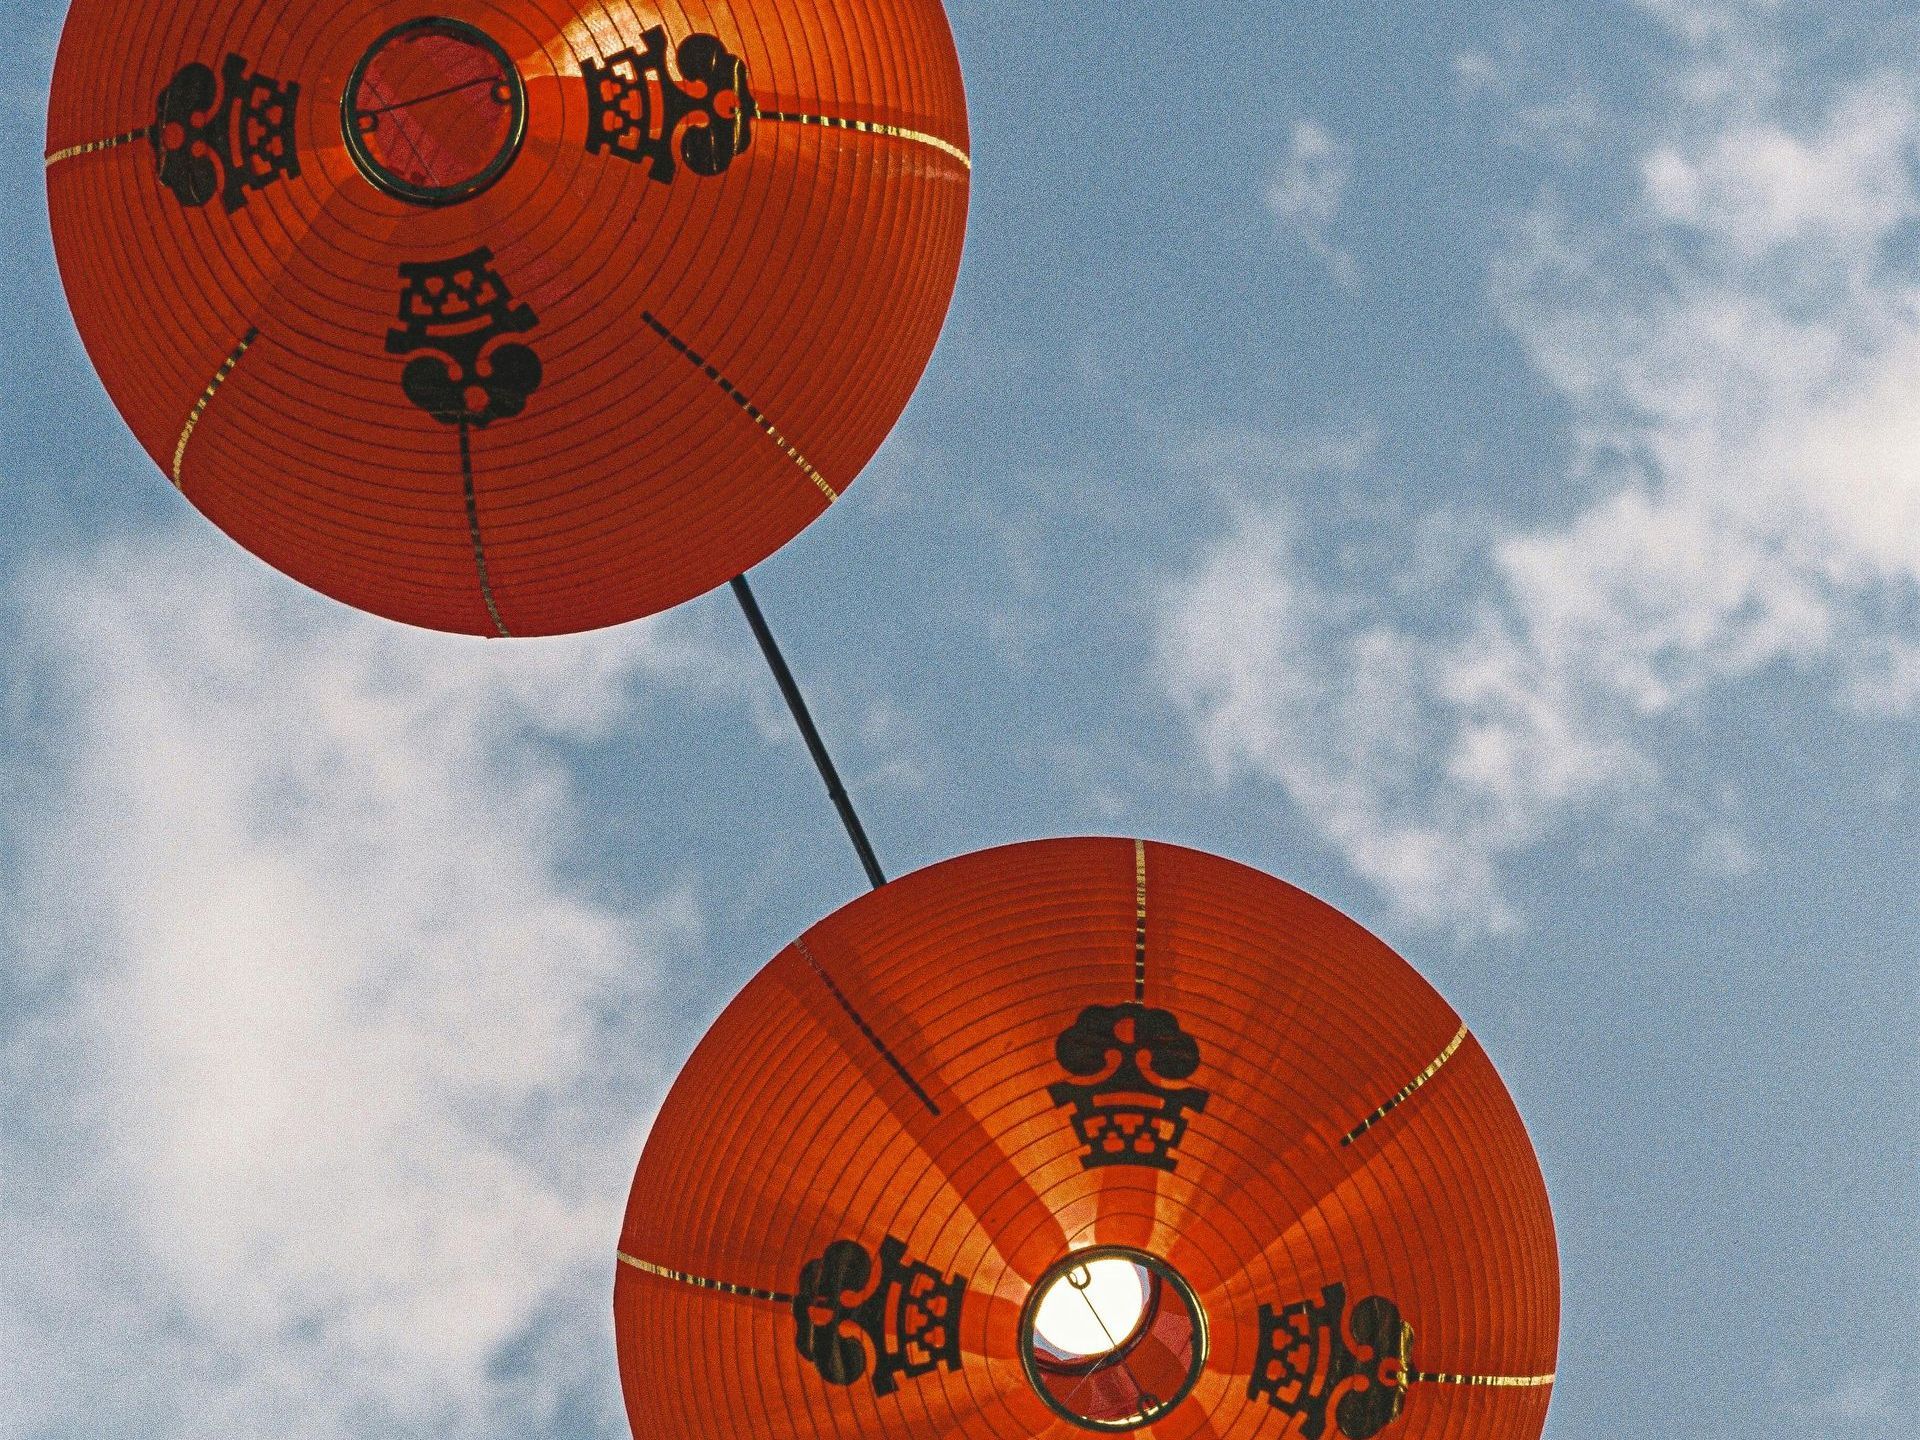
(1089, 1063)
(509, 316)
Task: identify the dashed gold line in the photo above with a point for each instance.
(1502, 1382)
(1140, 920)
(725, 1287)
(867, 127)
(92, 145)
(732, 391)
(1459, 1038)
(206, 399)
(473, 532)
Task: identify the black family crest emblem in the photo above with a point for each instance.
(223, 135)
(1305, 1360)
(636, 109)
(1123, 1111)
(910, 1320)
(460, 308)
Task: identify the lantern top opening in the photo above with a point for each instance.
(1092, 1310)
(434, 112)
(1112, 1338)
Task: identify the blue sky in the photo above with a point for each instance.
(1464, 462)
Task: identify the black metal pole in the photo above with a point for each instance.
(798, 705)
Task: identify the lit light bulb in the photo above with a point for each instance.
(1091, 1309)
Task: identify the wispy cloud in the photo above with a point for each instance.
(1423, 757)
(1308, 189)
(1702, 20)
(1739, 351)
(1846, 1400)
(324, 1079)
(1754, 185)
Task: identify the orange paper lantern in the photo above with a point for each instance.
(1050, 1063)
(509, 316)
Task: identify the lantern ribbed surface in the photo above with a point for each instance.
(514, 317)
(918, 1111)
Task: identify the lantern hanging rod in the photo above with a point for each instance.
(817, 747)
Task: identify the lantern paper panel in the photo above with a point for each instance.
(515, 317)
(1000, 1066)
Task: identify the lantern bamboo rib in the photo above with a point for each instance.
(867, 1030)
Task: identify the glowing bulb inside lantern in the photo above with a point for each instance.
(1091, 1309)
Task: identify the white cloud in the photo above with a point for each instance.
(1701, 20)
(1423, 759)
(1505, 83)
(1308, 190)
(1755, 185)
(324, 1083)
(1847, 1400)
(1475, 71)
(1739, 351)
